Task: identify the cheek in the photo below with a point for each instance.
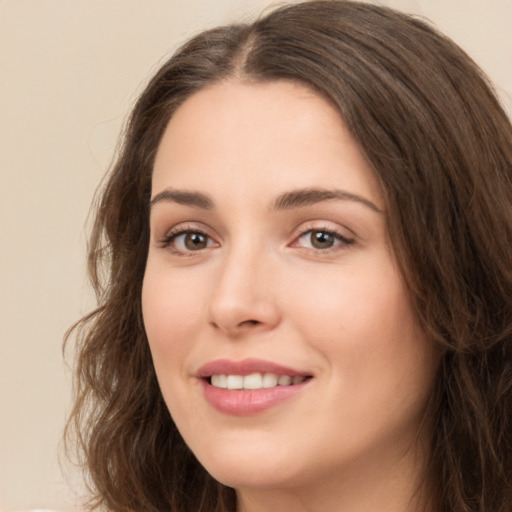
(356, 305)
(364, 327)
(171, 308)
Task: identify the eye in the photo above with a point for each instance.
(184, 241)
(192, 241)
(322, 240)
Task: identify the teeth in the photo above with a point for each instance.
(284, 380)
(270, 380)
(254, 381)
(220, 381)
(235, 382)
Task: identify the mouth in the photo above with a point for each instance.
(249, 386)
(255, 380)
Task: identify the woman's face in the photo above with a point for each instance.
(281, 331)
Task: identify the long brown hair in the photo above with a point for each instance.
(440, 146)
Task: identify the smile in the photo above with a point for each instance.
(249, 386)
(254, 381)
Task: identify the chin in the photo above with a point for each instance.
(254, 470)
(252, 477)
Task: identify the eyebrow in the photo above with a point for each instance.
(293, 199)
(307, 196)
(184, 197)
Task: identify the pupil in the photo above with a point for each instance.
(195, 241)
(322, 240)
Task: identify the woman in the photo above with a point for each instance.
(303, 272)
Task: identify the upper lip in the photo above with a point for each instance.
(246, 367)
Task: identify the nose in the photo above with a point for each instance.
(244, 298)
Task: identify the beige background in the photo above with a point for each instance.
(69, 71)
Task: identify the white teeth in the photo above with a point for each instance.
(270, 380)
(220, 381)
(284, 380)
(235, 382)
(254, 381)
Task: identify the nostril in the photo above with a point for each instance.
(249, 322)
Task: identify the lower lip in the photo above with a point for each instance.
(244, 402)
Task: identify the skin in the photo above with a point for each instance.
(257, 286)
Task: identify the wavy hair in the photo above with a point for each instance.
(440, 146)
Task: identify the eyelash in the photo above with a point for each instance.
(171, 236)
(340, 242)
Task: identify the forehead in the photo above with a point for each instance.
(260, 136)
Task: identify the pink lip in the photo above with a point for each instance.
(247, 402)
(245, 367)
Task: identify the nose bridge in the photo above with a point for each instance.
(242, 295)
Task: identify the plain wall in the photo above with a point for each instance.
(69, 71)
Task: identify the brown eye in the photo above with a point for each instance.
(186, 241)
(195, 241)
(322, 239)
